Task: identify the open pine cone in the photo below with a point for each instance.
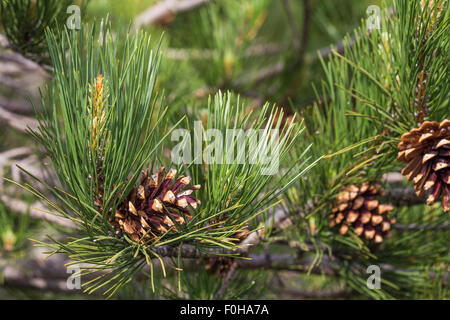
(427, 151)
(150, 210)
(358, 207)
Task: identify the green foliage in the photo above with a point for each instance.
(24, 23)
(248, 167)
(200, 284)
(366, 102)
(365, 99)
(13, 231)
(130, 137)
(399, 52)
(111, 127)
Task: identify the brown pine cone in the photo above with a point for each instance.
(151, 209)
(358, 207)
(427, 152)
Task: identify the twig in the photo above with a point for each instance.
(253, 239)
(309, 58)
(203, 54)
(26, 63)
(16, 121)
(417, 227)
(37, 210)
(159, 11)
(18, 106)
(305, 31)
(316, 294)
(288, 262)
(226, 282)
(403, 197)
(50, 274)
(292, 23)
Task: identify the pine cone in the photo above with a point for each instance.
(150, 210)
(427, 151)
(359, 208)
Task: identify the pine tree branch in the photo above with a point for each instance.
(309, 58)
(278, 218)
(51, 274)
(276, 221)
(24, 62)
(403, 197)
(13, 84)
(226, 283)
(204, 54)
(287, 262)
(20, 107)
(292, 24)
(422, 227)
(16, 121)
(162, 9)
(393, 178)
(315, 294)
(431, 274)
(7, 156)
(46, 275)
(36, 210)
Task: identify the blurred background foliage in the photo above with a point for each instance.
(280, 52)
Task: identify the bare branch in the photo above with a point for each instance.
(316, 294)
(393, 177)
(36, 210)
(309, 58)
(202, 54)
(278, 219)
(49, 274)
(403, 197)
(422, 227)
(25, 63)
(16, 121)
(164, 9)
(18, 106)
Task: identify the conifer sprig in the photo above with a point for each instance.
(101, 125)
